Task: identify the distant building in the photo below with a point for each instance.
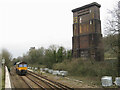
(87, 37)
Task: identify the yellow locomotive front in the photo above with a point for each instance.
(21, 68)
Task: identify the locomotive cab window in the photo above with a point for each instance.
(25, 65)
(20, 65)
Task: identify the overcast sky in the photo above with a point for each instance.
(36, 23)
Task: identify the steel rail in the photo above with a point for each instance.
(41, 87)
(51, 85)
(61, 86)
(27, 83)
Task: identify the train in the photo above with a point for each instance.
(21, 68)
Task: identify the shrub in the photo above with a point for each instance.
(80, 67)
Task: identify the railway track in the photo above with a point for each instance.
(31, 83)
(49, 83)
(26, 82)
(44, 84)
(17, 81)
(33, 80)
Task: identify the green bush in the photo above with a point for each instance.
(80, 67)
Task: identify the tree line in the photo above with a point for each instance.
(47, 57)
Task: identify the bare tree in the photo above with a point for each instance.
(119, 38)
(113, 30)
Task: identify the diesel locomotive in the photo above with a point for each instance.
(21, 68)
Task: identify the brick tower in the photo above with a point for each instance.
(87, 37)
